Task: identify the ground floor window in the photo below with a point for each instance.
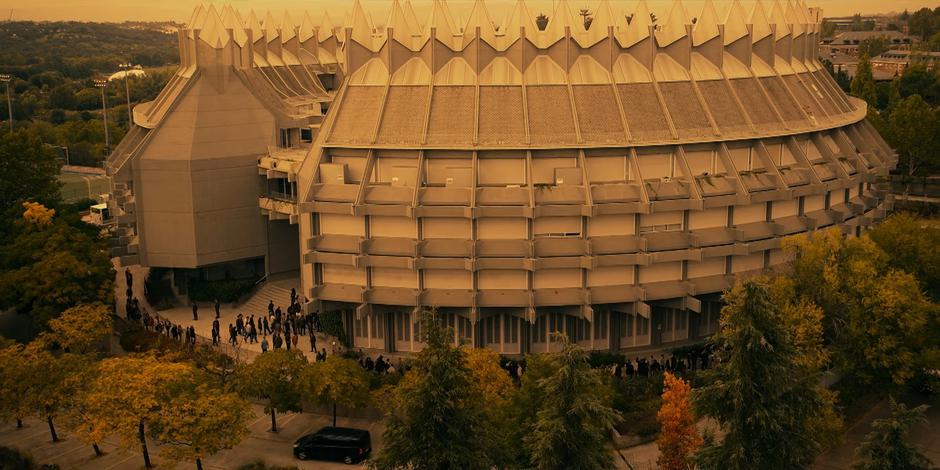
(675, 325)
(709, 319)
(634, 330)
(600, 325)
(491, 330)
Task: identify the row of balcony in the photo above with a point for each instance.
(514, 202)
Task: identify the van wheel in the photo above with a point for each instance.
(347, 460)
(302, 455)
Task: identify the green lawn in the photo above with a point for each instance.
(76, 187)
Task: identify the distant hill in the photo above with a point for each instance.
(78, 50)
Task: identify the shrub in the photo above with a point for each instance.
(158, 290)
(332, 323)
(225, 290)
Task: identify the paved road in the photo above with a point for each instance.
(275, 449)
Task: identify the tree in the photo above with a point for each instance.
(435, 420)
(80, 328)
(914, 131)
(132, 391)
(48, 268)
(492, 383)
(884, 448)
(873, 46)
(574, 416)
(201, 424)
(922, 23)
(757, 391)
(28, 171)
(874, 315)
(338, 381)
(15, 383)
(918, 79)
(275, 376)
(55, 382)
(863, 85)
(678, 439)
(911, 246)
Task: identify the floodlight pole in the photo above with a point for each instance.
(103, 84)
(127, 91)
(8, 80)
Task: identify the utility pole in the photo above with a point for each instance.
(8, 79)
(103, 84)
(126, 66)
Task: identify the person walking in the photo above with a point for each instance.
(195, 311)
(129, 278)
(264, 345)
(313, 342)
(218, 308)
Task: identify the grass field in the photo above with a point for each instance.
(76, 187)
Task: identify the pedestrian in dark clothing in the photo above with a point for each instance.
(128, 277)
(313, 342)
(271, 307)
(267, 329)
(293, 295)
(232, 335)
(195, 312)
(218, 308)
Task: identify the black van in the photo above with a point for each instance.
(340, 444)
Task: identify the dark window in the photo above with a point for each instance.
(306, 135)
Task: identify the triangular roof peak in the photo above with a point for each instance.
(735, 23)
(232, 20)
(638, 27)
(410, 16)
(443, 22)
(307, 30)
(706, 27)
(517, 19)
(602, 20)
(779, 19)
(674, 27)
(325, 31)
(213, 32)
(360, 25)
(287, 27)
(760, 23)
(480, 18)
(270, 27)
(397, 21)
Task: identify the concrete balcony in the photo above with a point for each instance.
(790, 225)
(445, 196)
(692, 254)
(340, 259)
(561, 246)
(763, 245)
(616, 192)
(453, 248)
(666, 289)
(793, 176)
(715, 185)
(824, 171)
(273, 206)
(635, 259)
(758, 180)
(616, 294)
(617, 244)
(503, 196)
(339, 292)
(579, 262)
(504, 248)
(392, 246)
(667, 189)
(561, 296)
(758, 230)
(559, 195)
(465, 264)
(448, 297)
(335, 192)
(399, 262)
(715, 236)
(392, 296)
(665, 241)
(504, 298)
(724, 250)
(337, 243)
(396, 195)
(525, 264)
(708, 284)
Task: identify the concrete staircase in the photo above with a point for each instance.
(258, 303)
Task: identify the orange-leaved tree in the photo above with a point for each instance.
(678, 439)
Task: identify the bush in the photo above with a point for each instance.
(158, 289)
(226, 290)
(12, 459)
(332, 323)
(604, 358)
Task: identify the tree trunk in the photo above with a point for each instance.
(334, 414)
(19, 423)
(198, 464)
(143, 444)
(55, 437)
(98, 453)
(273, 420)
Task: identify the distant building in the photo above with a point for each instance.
(897, 61)
(607, 183)
(848, 42)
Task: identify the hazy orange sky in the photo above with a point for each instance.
(179, 10)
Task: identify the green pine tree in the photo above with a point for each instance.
(863, 85)
(572, 415)
(884, 448)
(436, 417)
(757, 391)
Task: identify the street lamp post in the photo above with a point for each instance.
(103, 84)
(126, 66)
(6, 78)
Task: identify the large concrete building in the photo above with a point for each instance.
(522, 178)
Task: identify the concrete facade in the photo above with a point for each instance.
(607, 182)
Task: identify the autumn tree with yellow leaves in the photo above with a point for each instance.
(678, 439)
(337, 381)
(80, 328)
